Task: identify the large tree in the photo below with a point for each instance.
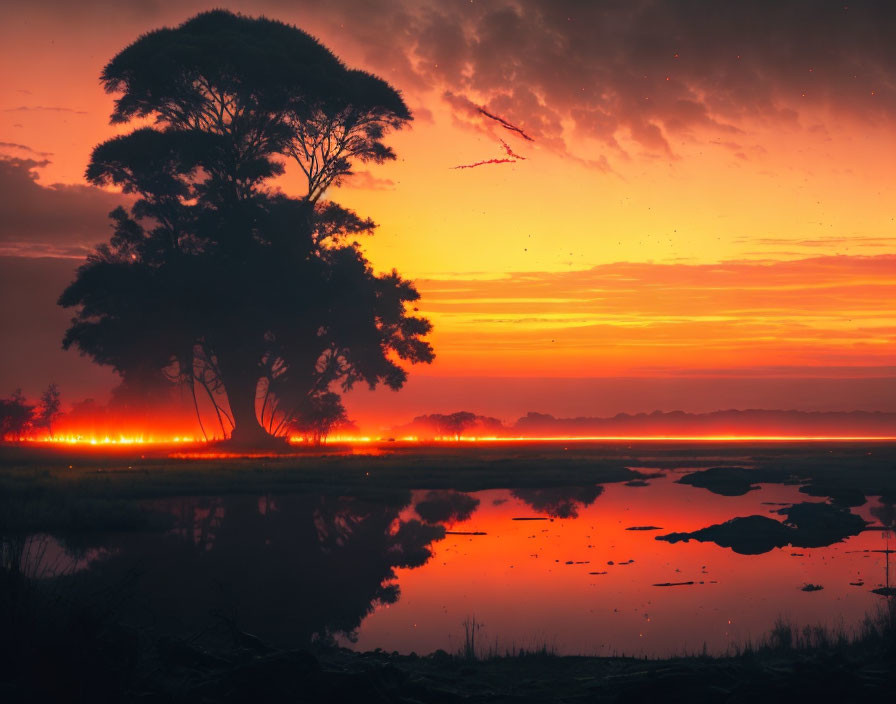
(215, 278)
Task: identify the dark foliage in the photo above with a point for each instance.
(216, 280)
(15, 416)
(315, 417)
(49, 410)
(452, 425)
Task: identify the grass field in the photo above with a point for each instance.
(51, 487)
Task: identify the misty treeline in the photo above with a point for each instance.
(453, 425)
(261, 304)
(20, 419)
(675, 423)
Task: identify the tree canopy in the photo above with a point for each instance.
(16, 416)
(216, 279)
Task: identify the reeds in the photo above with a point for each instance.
(472, 651)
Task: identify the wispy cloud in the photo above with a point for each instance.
(364, 180)
(24, 148)
(822, 242)
(43, 250)
(822, 311)
(44, 108)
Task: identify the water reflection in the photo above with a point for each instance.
(732, 481)
(588, 583)
(288, 569)
(384, 572)
(559, 502)
(885, 512)
(446, 506)
(805, 525)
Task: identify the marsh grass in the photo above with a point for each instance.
(875, 635)
(77, 635)
(473, 648)
(57, 643)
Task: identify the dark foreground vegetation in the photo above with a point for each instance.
(58, 647)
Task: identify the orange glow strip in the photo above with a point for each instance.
(109, 440)
(352, 440)
(707, 438)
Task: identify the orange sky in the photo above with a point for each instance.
(718, 202)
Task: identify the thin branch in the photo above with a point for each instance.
(196, 406)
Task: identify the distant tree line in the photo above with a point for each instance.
(674, 423)
(452, 425)
(20, 419)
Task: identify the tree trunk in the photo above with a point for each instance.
(241, 384)
(247, 430)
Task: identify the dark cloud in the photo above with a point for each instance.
(644, 70)
(647, 72)
(57, 220)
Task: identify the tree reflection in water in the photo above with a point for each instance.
(446, 506)
(290, 569)
(560, 501)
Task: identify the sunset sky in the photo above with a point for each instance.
(693, 205)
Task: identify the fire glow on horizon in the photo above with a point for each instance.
(181, 440)
(711, 225)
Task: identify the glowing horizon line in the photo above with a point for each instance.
(123, 440)
(559, 438)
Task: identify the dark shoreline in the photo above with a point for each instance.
(109, 662)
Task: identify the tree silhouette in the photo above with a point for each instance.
(214, 278)
(49, 409)
(15, 416)
(316, 417)
(454, 424)
(290, 569)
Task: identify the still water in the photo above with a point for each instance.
(584, 581)
(582, 570)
